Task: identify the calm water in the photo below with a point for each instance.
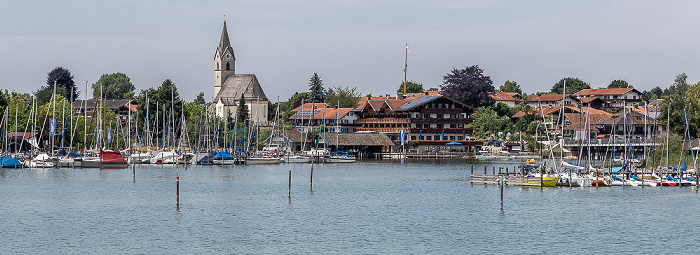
(363, 208)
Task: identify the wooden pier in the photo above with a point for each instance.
(509, 178)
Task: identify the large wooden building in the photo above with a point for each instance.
(427, 116)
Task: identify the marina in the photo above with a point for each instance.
(387, 206)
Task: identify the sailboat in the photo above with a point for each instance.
(261, 157)
(40, 161)
(339, 156)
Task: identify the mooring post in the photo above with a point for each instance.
(289, 190)
(502, 184)
(177, 190)
(484, 170)
(311, 178)
(472, 171)
(494, 170)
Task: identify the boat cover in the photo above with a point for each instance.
(10, 162)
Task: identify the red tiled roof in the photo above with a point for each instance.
(307, 106)
(546, 97)
(596, 92)
(328, 114)
(503, 96)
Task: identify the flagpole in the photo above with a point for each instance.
(405, 66)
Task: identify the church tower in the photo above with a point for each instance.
(224, 61)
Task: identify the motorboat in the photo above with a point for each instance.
(40, 161)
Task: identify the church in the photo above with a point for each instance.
(229, 86)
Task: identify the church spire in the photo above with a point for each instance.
(224, 42)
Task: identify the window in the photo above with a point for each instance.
(228, 66)
(413, 137)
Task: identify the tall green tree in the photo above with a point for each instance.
(316, 91)
(411, 87)
(487, 122)
(242, 111)
(200, 99)
(114, 86)
(469, 86)
(342, 97)
(44, 94)
(677, 101)
(652, 94)
(510, 86)
(63, 79)
(573, 85)
(619, 84)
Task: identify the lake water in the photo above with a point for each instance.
(387, 207)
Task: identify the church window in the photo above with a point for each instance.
(217, 66)
(228, 67)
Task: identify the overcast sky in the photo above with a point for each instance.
(355, 43)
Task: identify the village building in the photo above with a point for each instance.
(535, 100)
(420, 116)
(309, 116)
(229, 87)
(511, 99)
(120, 107)
(614, 98)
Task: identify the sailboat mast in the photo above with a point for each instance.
(405, 68)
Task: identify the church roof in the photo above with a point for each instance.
(241, 84)
(225, 43)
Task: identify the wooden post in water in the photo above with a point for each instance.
(494, 170)
(289, 190)
(311, 178)
(472, 171)
(502, 184)
(177, 189)
(133, 168)
(484, 170)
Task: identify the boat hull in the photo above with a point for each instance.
(263, 161)
(535, 181)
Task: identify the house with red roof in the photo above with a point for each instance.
(614, 98)
(543, 100)
(508, 98)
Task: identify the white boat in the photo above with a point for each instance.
(164, 157)
(262, 160)
(69, 162)
(297, 159)
(40, 161)
(341, 158)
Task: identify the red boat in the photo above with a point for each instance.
(107, 159)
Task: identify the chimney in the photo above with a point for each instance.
(399, 96)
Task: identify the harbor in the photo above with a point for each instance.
(372, 206)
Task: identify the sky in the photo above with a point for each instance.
(349, 43)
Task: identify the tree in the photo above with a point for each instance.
(503, 109)
(63, 79)
(242, 111)
(677, 101)
(652, 94)
(468, 86)
(573, 85)
(44, 94)
(342, 97)
(619, 84)
(411, 87)
(200, 99)
(316, 91)
(510, 86)
(487, 122)
(114, 86)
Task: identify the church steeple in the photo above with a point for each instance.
(224, 61)
(225, 43)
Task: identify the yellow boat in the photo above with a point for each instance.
(535, 181)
